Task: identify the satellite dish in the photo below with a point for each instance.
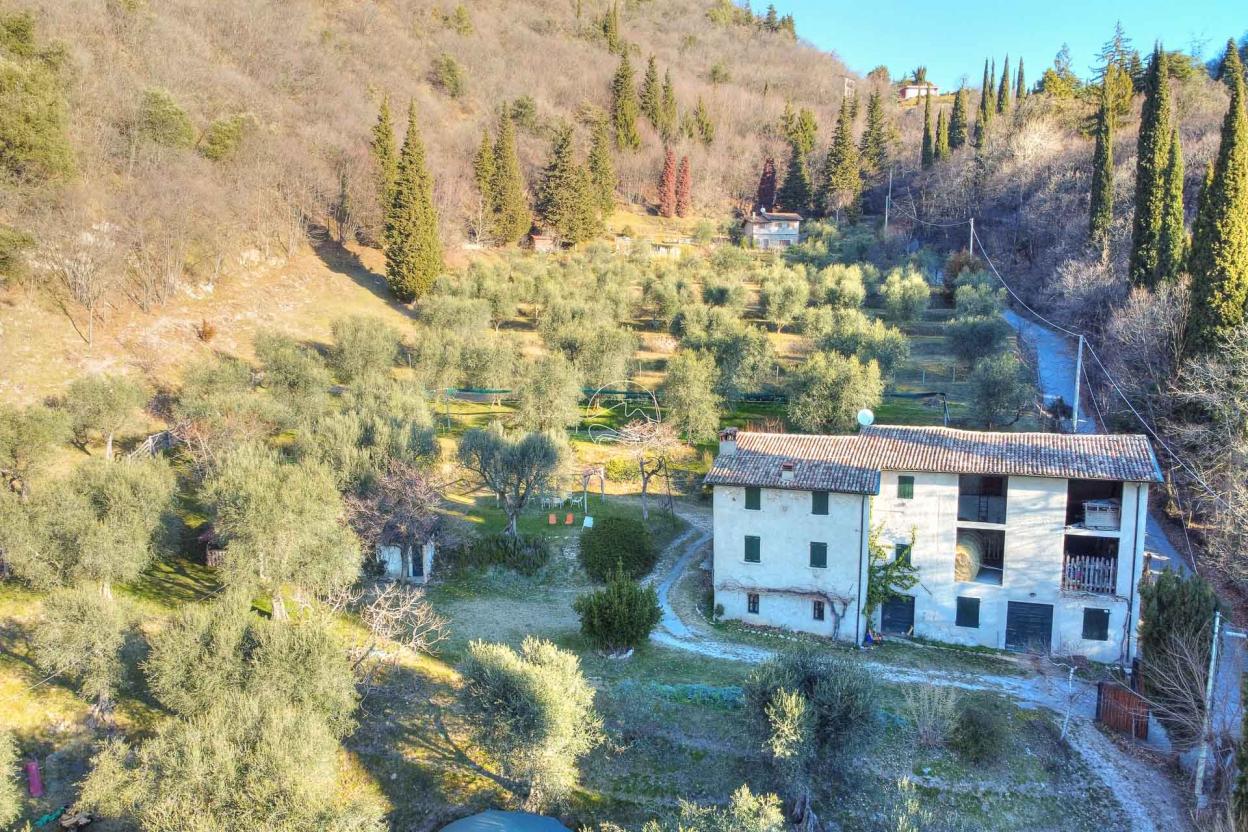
(865, 417)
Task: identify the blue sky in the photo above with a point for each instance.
(953, 38)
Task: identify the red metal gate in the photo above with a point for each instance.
(1122, 709)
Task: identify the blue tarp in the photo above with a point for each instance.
(496, 821)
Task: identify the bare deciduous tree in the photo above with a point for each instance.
(85, 263)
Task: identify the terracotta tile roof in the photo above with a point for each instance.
(821, 463)
(851, 464)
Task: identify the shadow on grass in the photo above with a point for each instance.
(345, 262)
(174, 581)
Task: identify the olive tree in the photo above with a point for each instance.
(534, 712)
(293, 372)
(80, 637)
(1000, 390)
(549, 395)
(512, 468)
(689, 396)
(282, 523)
(783, 295)
(102, 404)
(27, 438)
(829, 389)
(906, 294)
(745, 812)
(363, 347)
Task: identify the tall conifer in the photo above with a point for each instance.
(959, 123)
(873, 149)
(669, 117)
(1020, 88)
(602, 168)
(566, 204)
(1003, 89)
(843, 172)
(667, 185)
(1219, 259)
(928, 153)
(483, 175)
(684, 188)
(795, 192)
(1173, 243)
(413, 248)
(1101, 213)
(651, 96)
(766, 195)
(385, 154)
(512, 218)
(1152, 154)
(941, 150)
(624, 106)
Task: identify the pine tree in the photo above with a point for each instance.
(795, 191)
(1101, 214)
(766, 196)
(384, 154)
(702, 121)
(413, 249)
(1020, 89)
(959, 127)
(512, 219)
(984, 118)
(1172, 246)
(1152, 153)
(684, 188)
(602, 168)
(651, 95)
(667, 185)
(483, 174)
(669, 117)
(873, 149)
(566, 204)
(611, 29)
(624, 106)
(1003, 90)
(1219, 259)
(941, 150)
(928, 154)
(843, 173)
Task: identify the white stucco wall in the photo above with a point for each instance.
(786, 527)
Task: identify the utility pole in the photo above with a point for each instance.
(1074, 421)
(1202, 800)
(888, 201)
(970, 246)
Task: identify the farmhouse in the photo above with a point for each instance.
(917, 89)
(1027, 541)
(769, 229)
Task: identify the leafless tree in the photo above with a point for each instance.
(1178, 671)
(85, 263)
(393, 613)
(650, 444)
(402, 509)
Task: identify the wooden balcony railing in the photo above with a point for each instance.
(1087, 573)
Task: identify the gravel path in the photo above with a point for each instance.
(1147, 796)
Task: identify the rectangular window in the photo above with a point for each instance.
(751, 603)
(905, 488)
(753, 549)
(818, 611)
(968, 612)
(819, 555)
(753, 498)
(901, 552)
(1095, 624)
(818, 502)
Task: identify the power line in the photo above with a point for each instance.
(911, 216)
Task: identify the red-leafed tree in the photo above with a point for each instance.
(684, 188)
(667, 186)
(767, 185)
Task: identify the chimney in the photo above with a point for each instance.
(728, 442)
(786, 471)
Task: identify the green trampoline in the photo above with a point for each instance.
(496, 821)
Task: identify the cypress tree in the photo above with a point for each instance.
(602, 168)
(1152, 153)
(650, 94)
(611, 29)
(843, 173)
(384, 154)
(483, 174)
(413, 249)
(1003, 90)
(1219, 259)
(702, 122)
(566, 204)
(1172, 246)
(985, 95)
(874, 147)
(795, 191)
(941, 150)
(512, 219)
(1020, 89)
(959, 125)
(669, 117)
(1101, 214)
(684, 188)
(928, 154)
(667, 185)
(624, 106)
(766, 196)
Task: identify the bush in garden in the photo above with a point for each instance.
(980, 730)
(931, 708)
(526, 556)
(619, 616)
(617, 541)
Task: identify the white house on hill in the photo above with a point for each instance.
(1028, 541)
(772, 229)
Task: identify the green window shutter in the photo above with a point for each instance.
(1095, 624)
(752, 549)
(968, 612)
(753, 498)
(819, 555)
(905, 488)
(818, 502)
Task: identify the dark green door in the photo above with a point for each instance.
(1029, 627)
(897, 616)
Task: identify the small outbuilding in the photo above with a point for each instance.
(493, 820)
(917, 89)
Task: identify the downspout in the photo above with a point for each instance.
(1134, 590)
(862, 537)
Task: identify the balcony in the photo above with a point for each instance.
(981, 499)
(1094, 506)
(1087, 573)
